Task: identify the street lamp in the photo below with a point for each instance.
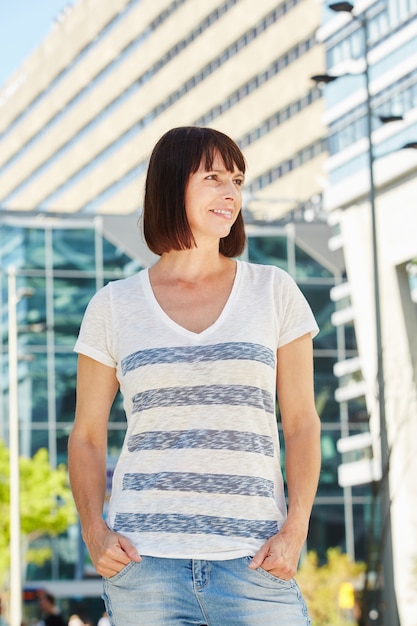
(14, 297)
(391, 617)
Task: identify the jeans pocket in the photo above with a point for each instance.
(270, 577)
(282, 581)
(121, 573)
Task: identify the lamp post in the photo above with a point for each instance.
(390, 611)
(391, 617)
(14, 296)
(15, 556)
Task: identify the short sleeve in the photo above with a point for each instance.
(95, 336)
(295, 317)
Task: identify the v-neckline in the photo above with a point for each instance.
(175, 325)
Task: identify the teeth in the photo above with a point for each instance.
(222, 211)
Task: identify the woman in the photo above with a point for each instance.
(197, 530)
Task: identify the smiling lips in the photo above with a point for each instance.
(226, 212)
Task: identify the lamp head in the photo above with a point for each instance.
(341, 7)
(25, 292)
(386, 119)
(323, 78)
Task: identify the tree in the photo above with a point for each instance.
(324, 587)
(46, 505)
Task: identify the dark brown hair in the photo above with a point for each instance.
(176, 156)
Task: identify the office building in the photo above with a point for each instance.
(79, 119)
(384, 374)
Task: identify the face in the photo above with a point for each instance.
(213, 200)
(43, 602)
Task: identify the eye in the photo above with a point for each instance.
(239, 182)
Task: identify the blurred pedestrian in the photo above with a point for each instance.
(50, 612)
(2, 619)
(104, 620)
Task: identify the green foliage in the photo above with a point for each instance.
(321, 585)
(38, 556)
(46, 505)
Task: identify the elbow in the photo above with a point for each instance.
(305, 424)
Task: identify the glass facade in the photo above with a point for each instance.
(389, 27)
(64, 262)
(61, 265)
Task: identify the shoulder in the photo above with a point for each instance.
(116, 291)
(265, 274)
(123, 285)
(130, 282)
(55, 620)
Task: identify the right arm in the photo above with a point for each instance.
(96, 389)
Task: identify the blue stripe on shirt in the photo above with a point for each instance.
(232, 440)
(194, 524)
(200, 483)
(226, 395)
(238, 350)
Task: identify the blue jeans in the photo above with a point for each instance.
(184, 592)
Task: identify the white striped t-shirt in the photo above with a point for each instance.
(199, 472)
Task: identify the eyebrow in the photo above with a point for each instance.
(221, 171)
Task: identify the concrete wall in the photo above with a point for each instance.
(397, 244)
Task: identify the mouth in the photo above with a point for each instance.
(228, 213)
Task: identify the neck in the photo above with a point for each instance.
(192, 265)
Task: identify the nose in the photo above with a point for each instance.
(230, 189)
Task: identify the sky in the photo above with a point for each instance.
(23, 26)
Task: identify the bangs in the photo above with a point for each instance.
(230, 157)
(205, 146)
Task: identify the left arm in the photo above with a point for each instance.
(301, 428)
